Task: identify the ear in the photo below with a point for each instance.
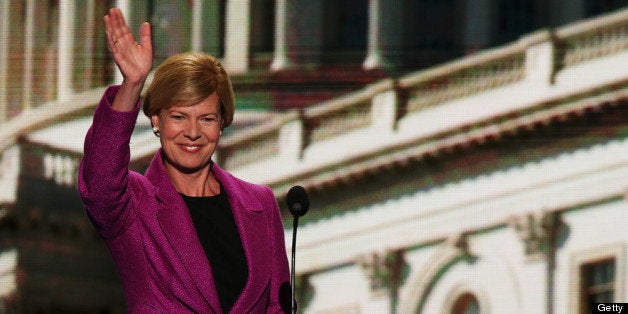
(154, 120)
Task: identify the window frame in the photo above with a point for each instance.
(617, 252)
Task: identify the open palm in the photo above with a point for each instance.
(134, 59)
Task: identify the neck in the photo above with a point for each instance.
(200, 183)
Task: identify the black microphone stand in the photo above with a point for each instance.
(292, 270)
(298, 203)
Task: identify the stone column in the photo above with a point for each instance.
(197, 25)
(66, 48)
(89, 44)
(385, 34)
(29, 37)
(237, 33)
(374, 57)
(125, 7)
(4, 58)
(299, 34)
(280, 55)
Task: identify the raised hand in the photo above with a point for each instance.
(134, 59)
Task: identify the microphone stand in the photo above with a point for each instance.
(298, 203)
(292, 272)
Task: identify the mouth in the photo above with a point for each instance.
(190, 148)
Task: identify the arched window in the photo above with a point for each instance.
(467, 303)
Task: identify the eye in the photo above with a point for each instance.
(177, 117)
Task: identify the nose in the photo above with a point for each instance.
(192, 130)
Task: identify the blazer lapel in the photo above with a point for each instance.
(254, 231)
(176, 224)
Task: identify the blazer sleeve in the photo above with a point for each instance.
(104, 170)
(280, 298)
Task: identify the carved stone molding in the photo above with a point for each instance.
(453, 250)
(384, 270)
(537, 230)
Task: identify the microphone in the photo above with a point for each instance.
(297, 200)
(298, 204)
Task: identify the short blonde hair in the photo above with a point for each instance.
(186, 79)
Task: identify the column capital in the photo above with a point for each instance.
(384, 270)
(537, 231)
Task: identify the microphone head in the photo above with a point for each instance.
(298, 202)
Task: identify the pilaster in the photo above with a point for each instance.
(537, 231)
(385, 272)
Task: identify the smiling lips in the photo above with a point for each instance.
(190, 148)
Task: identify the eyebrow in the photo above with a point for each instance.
(172, 110)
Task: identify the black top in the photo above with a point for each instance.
(217, 231)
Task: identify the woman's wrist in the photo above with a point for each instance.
(128, 95)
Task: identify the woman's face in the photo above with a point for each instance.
(189, 134)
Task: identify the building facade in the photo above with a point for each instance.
(460, 156)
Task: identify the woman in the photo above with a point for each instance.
(187, 236)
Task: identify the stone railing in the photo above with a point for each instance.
(341, 115)
(533, 60)
(49, 164)
(593, 39)
(464, 77)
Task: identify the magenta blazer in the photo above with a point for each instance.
(150, 235)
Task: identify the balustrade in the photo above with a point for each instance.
(533, 59)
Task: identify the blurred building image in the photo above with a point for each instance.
(460, 156)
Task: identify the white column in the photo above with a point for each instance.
(236, 60)
(373, 54)
(280, 58)
(29, 38)
(197, 25)
(384, 34)
(88, 44)
(125, 7)
(4, 57)
(66, 48)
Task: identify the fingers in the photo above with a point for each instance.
(146, 35)
(116, 28)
